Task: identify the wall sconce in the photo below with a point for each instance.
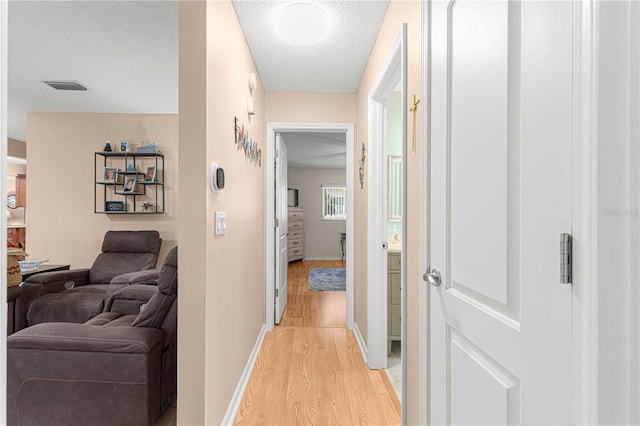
(250, 108)
(253, 81)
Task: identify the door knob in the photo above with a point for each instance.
(432, 276)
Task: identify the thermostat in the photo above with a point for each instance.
(216, 178)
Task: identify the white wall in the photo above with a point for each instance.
(322, 237)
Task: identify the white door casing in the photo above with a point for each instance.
(499, 198)
(271, 237)
(282, 261)
(392, 73)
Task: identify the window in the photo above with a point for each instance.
(334, 202)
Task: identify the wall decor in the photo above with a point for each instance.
(114, 206)
(414, 109)
(244, 142)
(361, 168)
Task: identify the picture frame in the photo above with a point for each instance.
(130, 185)
(110, 174)
(114, 206)
(150, 176)
(124, 146)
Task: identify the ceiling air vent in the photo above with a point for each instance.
(65, 85)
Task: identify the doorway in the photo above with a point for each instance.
(271, 187)
(386, 254)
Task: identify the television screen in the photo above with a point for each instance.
(292, 197)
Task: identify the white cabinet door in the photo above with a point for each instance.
(501, 133)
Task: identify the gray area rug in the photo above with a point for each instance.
(328, 279)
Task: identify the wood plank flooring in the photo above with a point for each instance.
(310, 370)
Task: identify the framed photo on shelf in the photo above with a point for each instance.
(151, 174)
(130, 185)
(109, 174)
(114, 206)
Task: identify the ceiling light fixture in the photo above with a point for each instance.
(303, 24)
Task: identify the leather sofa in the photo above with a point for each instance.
(118, 368)
(80, 294)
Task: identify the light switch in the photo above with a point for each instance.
(221, 223)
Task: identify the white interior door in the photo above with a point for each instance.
(501, 133)
(281, 229)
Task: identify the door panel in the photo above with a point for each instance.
(281, 230)
(501, 130)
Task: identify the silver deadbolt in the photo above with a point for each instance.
(432, 276)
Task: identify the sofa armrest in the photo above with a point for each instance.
(43, 283)
(72, 337)
(57, 279)
(128, 300)
(146, 277)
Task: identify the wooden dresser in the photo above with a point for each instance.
(296, 234)
(394, 298)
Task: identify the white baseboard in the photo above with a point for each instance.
(323, 258)
(236, 399)
(360, 340)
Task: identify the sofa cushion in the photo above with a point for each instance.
(154, 311)
(123, 252)
(72, 305)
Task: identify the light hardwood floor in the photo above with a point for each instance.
(310, 371)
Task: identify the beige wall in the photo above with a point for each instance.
(397, 13)
(192, 211)
(310, 107)
(321, 237)
(227, 272)
(62, 225)
(16, 148)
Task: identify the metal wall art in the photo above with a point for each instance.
(242, 141)
(361, 164)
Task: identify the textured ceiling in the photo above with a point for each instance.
(316, 149)
(333, 65)
(125, 52)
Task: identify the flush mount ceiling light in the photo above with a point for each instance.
(303, 24)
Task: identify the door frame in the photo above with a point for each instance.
(284, 127)
(583, 216)
(390, 74)
(4, 15)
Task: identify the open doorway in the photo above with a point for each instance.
(386, 251)
(291, 131)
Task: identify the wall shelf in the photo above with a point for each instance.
(146, 191)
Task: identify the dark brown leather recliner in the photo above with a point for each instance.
(119, 368)
(80, 294)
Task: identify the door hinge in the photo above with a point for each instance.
(277, 222)
(566, 248)
(276, 292)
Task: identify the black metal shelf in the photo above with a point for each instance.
(152, 191)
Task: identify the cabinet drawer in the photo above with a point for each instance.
(395, 322)
(296, 253)
(394, 288)
(295, 226)
(394, 261)
(297, 234)
(296, 215)
(293, 244)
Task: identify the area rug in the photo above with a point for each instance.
(327, 279)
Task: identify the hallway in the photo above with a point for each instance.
(310, 370)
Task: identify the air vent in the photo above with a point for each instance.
(65, 85)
